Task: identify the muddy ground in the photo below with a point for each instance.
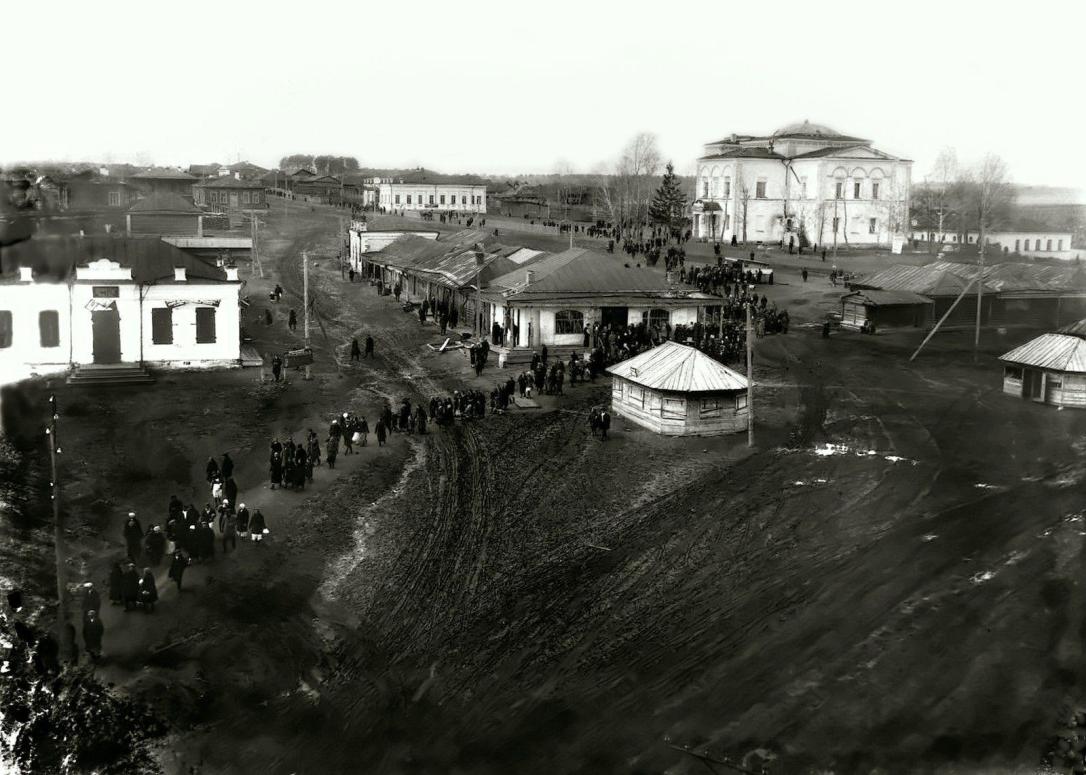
(888, 582)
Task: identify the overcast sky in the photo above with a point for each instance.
(511, 87)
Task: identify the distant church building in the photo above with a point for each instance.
(806, 184)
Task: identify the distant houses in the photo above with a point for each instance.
(165, 214)
(230, 194)
(1032, 244)
(163, 180)
(440, 195)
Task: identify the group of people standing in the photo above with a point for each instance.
(189, 536)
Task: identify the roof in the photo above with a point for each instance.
(229, 181)
(753, 152)
(804, 129)
(165, 203)
(150, 259)
(1077, 328)
(579, 271)
(678, 368)
(1059, 352)
(878, 298)
(163, 173)
(938, 278)
(843, 151)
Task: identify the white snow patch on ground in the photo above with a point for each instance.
(980, 578)
(928, 537)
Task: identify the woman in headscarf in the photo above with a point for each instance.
(116, 583)
(177, 568)
(212, 470)
(130, 587)
(257, 526)
(276, 470)
(133, 536)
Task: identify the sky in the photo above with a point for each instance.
(511, 88)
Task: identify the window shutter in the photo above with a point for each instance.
(162, 325)
(49, 327)
(5, 328)
(205, 325)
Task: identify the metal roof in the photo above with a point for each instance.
(1059, 352)
(229, 181)
(579, 271)
(1077, 328)
(879, 298)
(947, 278)
(151, 259)
(677, 368)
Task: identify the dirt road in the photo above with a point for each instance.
(890, 580)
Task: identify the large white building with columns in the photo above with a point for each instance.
(805, 183)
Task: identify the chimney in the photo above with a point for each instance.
(232, 274)
(26, 274)
(529, 276)
(179, 274)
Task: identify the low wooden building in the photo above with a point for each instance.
(1050, 369)
(886, 309)
(229, 194)
(165, 214)
(676, 390)
(163, 180)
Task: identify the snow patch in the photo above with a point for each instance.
(980, 578)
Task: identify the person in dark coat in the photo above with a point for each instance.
(212, 470)
(230, 491)
(155, 544)
(177, 568)
(292, 322)
(133, 536)
(93, 631)
(243, 521)
(605, 424)
(369, 346)
(227, 467)
(205, 535)
(148, 591)
(257, 526)
(130, 587)
(276, 470)
(356, 351)
(116, 583)
(331, 451)
(92, 601)
(277, 367)
(382, 433)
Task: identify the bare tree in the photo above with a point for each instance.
(562, 171)
(743, 192)
(936, 198)
(985, 192)
(635, 174)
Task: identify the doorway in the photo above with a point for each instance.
(1032, 381)
(106, 335)
(614, 316)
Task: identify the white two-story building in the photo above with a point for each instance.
(440, 196)
(804, 184)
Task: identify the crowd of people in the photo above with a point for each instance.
(187, 535)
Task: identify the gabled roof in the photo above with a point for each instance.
(753, 152)
(677, 368)
(165, 203)
(151, 259)
(858, 151)
(162, 173)
(1060, 352)
(584, 272)
(938, 279)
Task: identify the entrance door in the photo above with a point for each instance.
(614, 316)
(233, 201)
(1031, 384)
(106, 333)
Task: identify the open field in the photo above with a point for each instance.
(889, 581)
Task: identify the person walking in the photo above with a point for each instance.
(369, 346)
(148, 591)
(382, 433)
(331, 451)
(292, 322)
(804, 273)
(277, 367)
(177, 568)
(93, 631)
(133, 536)
(356, 351)
(257, 527)
(605, 424)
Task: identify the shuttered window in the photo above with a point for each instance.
(205, 325)
(162, 325)
(5, 328)
(49, 328)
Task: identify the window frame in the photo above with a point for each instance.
(157, 312)
(214, 325)
(759, 189)
(669, 410)
(7, 328)
(569, 319)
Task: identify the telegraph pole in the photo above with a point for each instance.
(750, 379)
(305, 296)
(980, 288)
(58, 528)
(255, 249)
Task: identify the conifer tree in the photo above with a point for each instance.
(668, 206)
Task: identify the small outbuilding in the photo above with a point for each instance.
(677, 390)
(885, 309)
(1050, 369)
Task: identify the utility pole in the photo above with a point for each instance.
(255, 249)
(750, 379)
(479, 256)
(305, 296)
(980, 287)
(58, 529)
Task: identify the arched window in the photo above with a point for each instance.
(656, 317)
(568, 321)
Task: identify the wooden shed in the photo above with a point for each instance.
(1050, 369)
(886, 309)
(677, 390)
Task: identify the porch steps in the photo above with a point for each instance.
(95, 375)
